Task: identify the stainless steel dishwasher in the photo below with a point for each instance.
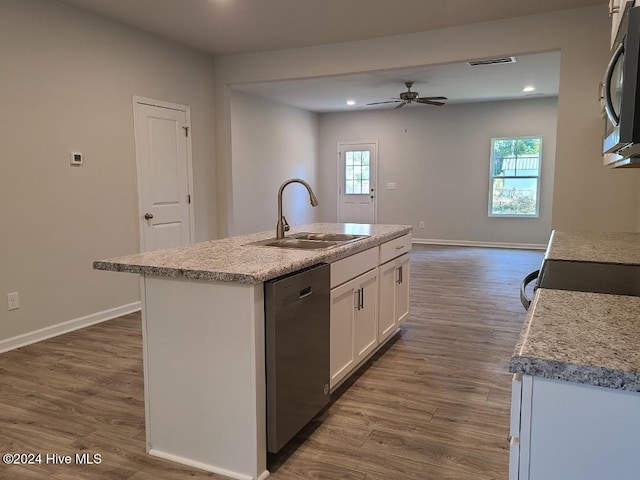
(297, 351)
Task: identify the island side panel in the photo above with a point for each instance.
(584, 432)
(204, 374)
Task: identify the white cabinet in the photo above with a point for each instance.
(394, 248)
(394, 295)
(617, 8)
(354, 323)
(366, 314)
(342, 356)
(573, 431)
(361, 298)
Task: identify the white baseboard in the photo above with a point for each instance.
(205, 466)
(465, 243)
(66, 327)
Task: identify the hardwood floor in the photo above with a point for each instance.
(433, 405)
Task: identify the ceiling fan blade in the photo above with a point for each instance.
(379, 103)
(432, 98)
(424, 101)
(401, 105)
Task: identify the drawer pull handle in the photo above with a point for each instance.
(400, 247)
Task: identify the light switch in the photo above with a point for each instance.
(391, 186)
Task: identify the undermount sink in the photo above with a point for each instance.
(310, 241)
(332, 237)
(292, 242)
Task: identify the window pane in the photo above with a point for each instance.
(348, 187)
(514, 196)
(527, 165)
(513, 159)
(357, 172)
(348, 173)
(516, 157)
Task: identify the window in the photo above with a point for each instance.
(356, 172)
(515, 177)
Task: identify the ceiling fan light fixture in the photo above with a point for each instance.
(409, 96)
(528, 88)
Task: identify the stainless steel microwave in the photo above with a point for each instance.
(622, 93)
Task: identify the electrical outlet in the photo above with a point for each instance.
(421, 224)
(13, 301)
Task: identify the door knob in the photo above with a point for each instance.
(148, 216)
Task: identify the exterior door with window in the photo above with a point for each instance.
(163, 157)
(357, 167)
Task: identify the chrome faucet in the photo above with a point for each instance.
(282, 225)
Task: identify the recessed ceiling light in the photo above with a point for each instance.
(528, 89)
(351, 102)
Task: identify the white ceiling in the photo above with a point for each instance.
(459, 82)
(222, 27)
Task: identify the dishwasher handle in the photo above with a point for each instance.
(305, 292)
(526, 301)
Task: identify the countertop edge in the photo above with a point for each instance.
(326, 256)
(175, 273)
(534, 353)
(582, 374)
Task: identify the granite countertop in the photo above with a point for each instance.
(231, 260)
(604, 247)
(588, 338)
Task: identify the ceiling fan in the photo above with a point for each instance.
(409, 97)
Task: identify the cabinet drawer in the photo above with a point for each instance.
(350, 267)
(394, 248)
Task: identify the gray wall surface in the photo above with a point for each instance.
(271, 143)
(67, 82)
(587, 196)
(440, 166)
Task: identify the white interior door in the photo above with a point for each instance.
(163, 157)
(357, 167)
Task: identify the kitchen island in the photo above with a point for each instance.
(576, 390)
(204, 339)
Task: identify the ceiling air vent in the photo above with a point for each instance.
(492, 61)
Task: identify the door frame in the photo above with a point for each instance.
(375, 172)
(172, 106)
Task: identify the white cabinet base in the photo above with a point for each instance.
(572, 431)
(204, 375)
(354, 324)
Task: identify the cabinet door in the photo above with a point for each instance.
(366, 314)
(402, 289)
(343, 308)
(394, 295)
(617, 8)
(386, 313)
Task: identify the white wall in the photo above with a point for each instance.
(66, 84)
(271, 143)
(587, 195)
(440, 166)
